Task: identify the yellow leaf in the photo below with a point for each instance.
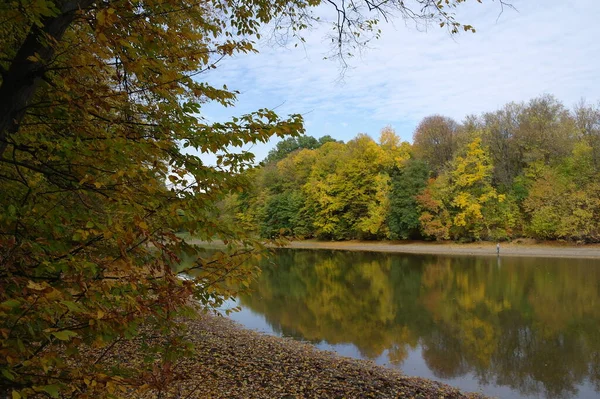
(100, 17)
(36, 286)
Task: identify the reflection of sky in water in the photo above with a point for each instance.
(413, 365)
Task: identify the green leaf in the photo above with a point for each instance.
(16, 395)
(52, 390)
(73, 306)
(64, 335)
(11, 304)
(8, 374)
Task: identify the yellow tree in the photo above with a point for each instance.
(397, 151)
(462, 204)
(348, 189)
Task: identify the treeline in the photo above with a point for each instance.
(526, 170)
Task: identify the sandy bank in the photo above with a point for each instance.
(232, 362)
(548, 250)
(554, 250)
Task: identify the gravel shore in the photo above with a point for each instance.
(233, 362)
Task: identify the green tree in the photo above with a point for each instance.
(284, 216)
(407, 183)
(291, 144)
(275, 204)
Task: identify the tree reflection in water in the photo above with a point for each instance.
(529, 324)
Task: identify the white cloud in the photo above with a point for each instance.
(545, 47)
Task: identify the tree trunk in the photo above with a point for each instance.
(23, 77)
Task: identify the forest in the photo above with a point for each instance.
(527, 170)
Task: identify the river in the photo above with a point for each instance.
(508, 327)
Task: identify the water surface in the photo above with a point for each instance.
(507, 327)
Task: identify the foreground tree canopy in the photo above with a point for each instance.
(98, 100)
(526, 170)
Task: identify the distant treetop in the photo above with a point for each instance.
(291, 144)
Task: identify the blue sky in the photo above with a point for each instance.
(550, 46)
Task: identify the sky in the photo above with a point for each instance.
(544, 47)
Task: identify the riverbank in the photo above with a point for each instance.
(548, 250)
(233, 362)
(524, 248)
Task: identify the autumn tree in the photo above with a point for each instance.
(396, 151)
(498, 189)
(546, 131)
(462, 203)
(563, 201)
(322, 196)
(500, 132)
(348, 190)
(435, 141)
(587, 121)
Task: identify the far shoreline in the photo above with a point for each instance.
(541, 250)
(525, 249)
